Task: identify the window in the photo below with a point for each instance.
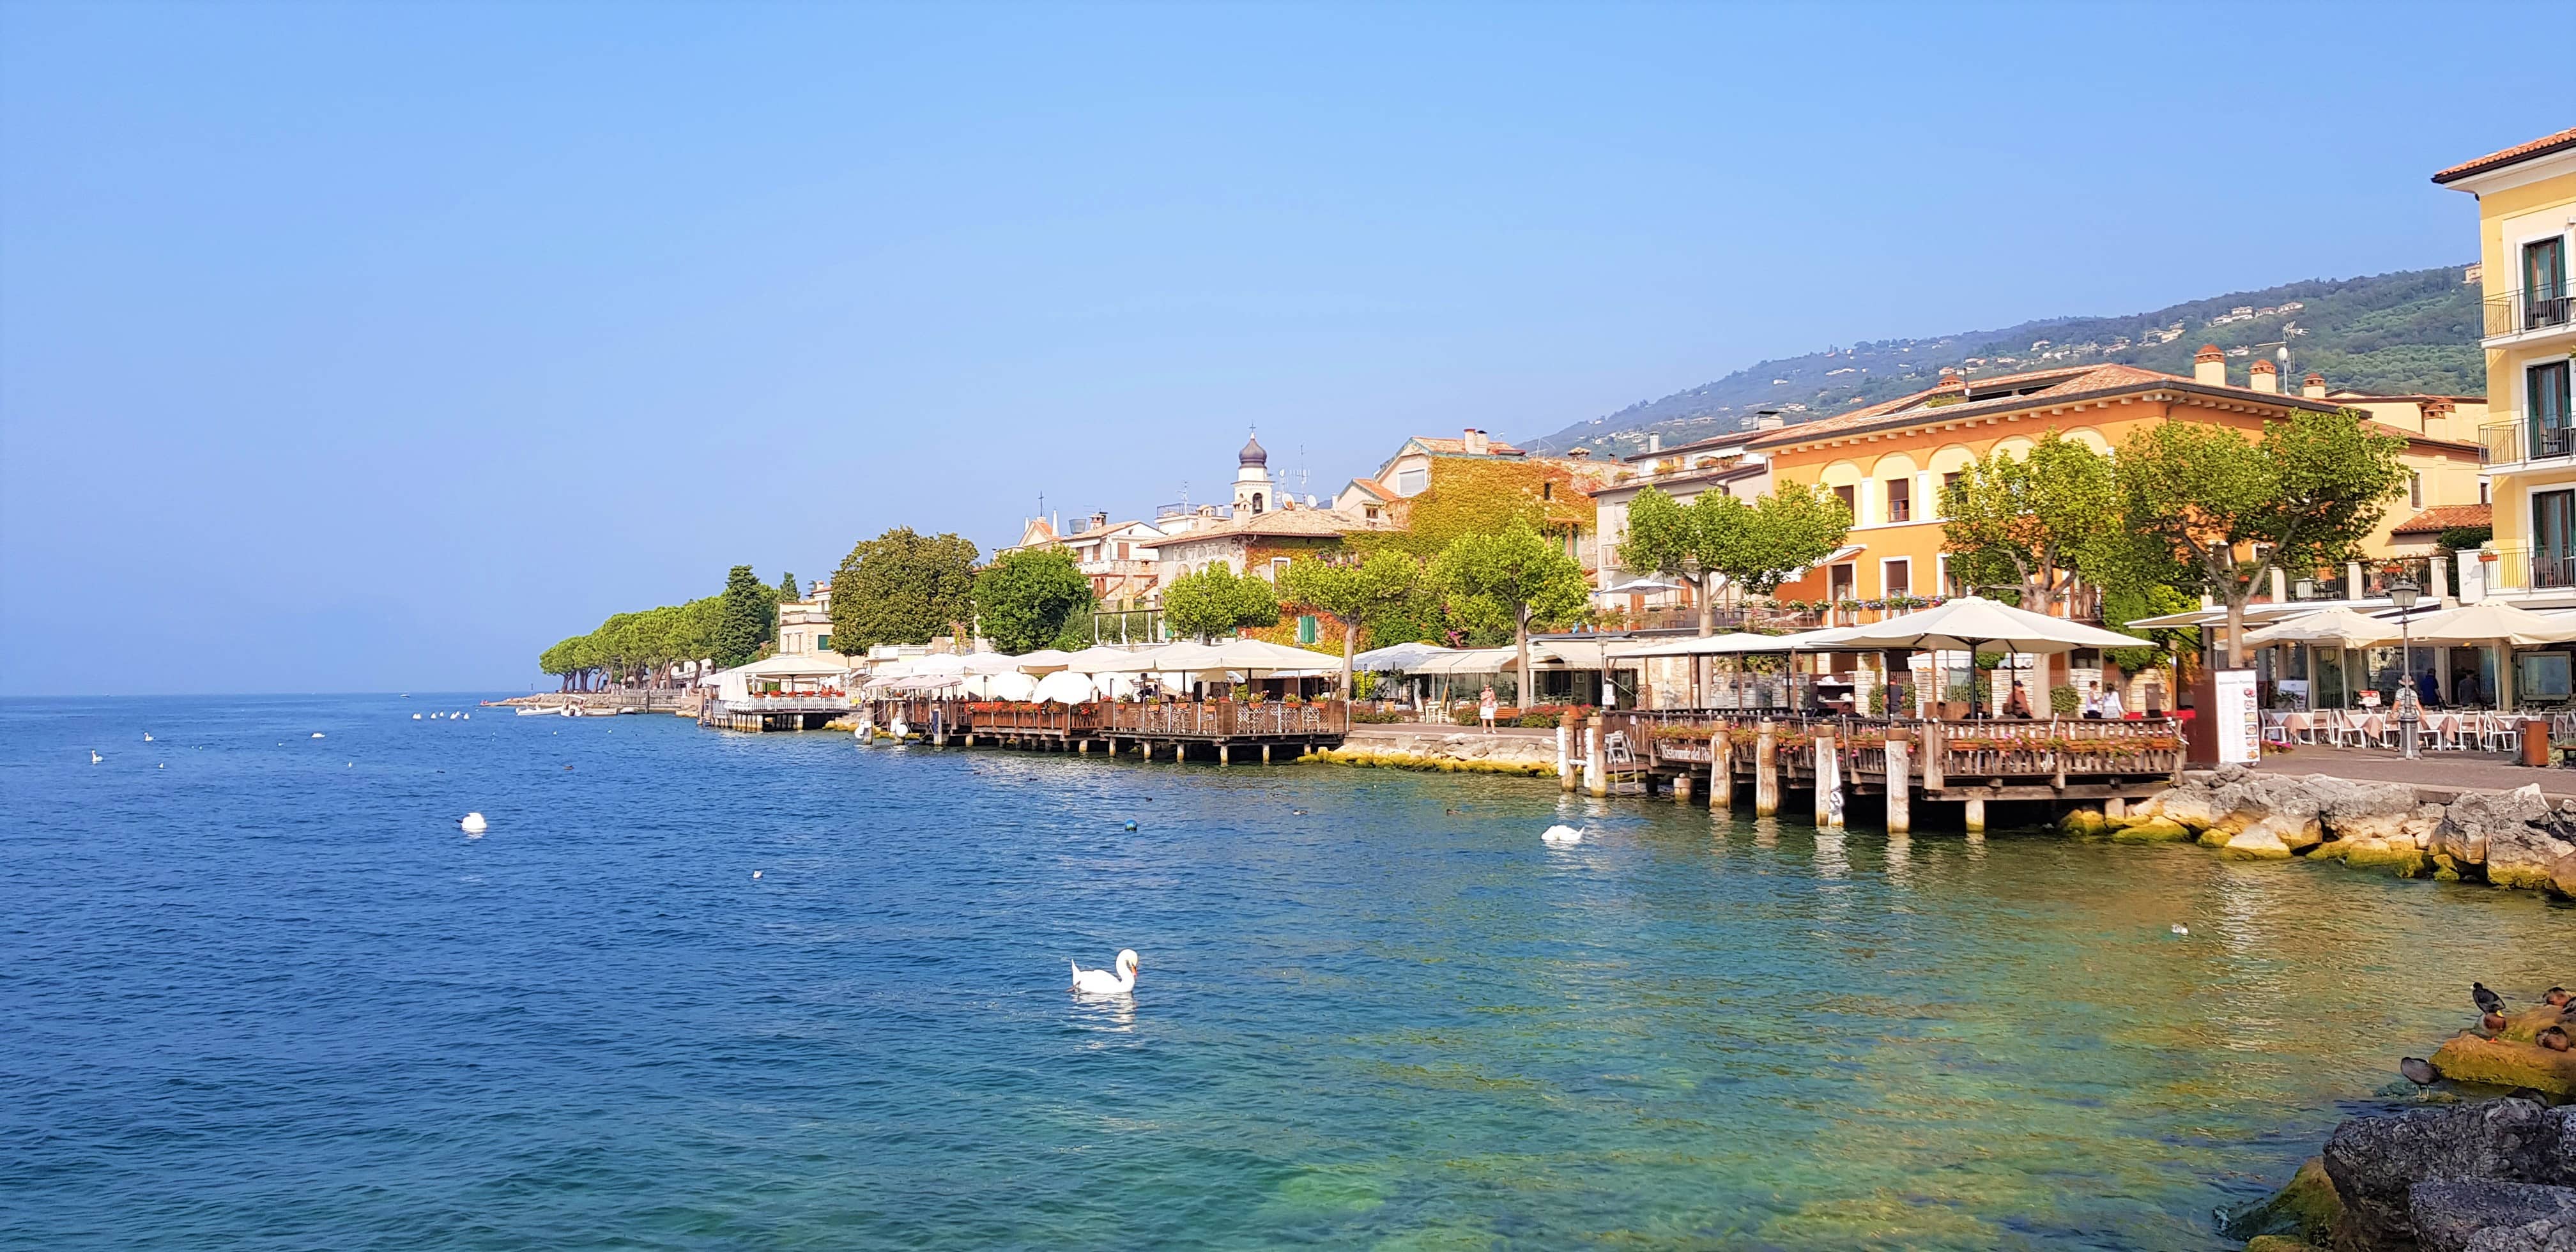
(2485, 489)
(1547, 491)
(1307, 630)
(825, 643)
(1411, 482)
(1278, 566)
(1256, 502)
(1941, 577)
(1840, 579)
(1896, 577)
(1122, 551)
(1369, 511)
(2544, 283)
(1900, 500)
(2415, 491)
(1844, 494)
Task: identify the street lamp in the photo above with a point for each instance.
(2409, 705)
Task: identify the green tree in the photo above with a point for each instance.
(2232, 510)
(1684, 541)
(1776, 538)
(903, 587)
(1027, 599)
(2031, 523)
(1350, 592)
(1519, 574)
(746, 617)
(787, 592)
(1217, 601)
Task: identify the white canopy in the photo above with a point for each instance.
(1969, 623)
(2336, 625)
(1719, 645)
(2486, 622)
(1639, 586)
(991, 663)
(1043, 661)
(1065, 687)
(799, 665)
(1102, 659)
(1401, 656)
(1262, 656)
(1470, 661)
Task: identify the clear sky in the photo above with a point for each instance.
(376, 347)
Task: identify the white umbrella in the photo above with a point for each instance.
(1124, 661)
(1400, 656)
(2337, 626)
(1010, 687)
(1969, 623)
(1043, 661)
(2488, 621)
(1065, 687)
(1721, 645)
(991, 663)
(1263, 655)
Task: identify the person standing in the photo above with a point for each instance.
(1485, 709)
(2109, 705)
(2017, 704)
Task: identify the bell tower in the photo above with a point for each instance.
(1253, 492)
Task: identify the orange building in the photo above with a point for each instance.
(1890, 461)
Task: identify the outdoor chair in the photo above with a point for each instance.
(2342, 731)
(2498, 732)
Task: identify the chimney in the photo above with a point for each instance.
(2266, 377)
(2313, 386)
(1950, 378)
(2209, 365)
(1654, 443)
(1768, 419)
(1474, 442)
(1099, 521)
(1578, 454)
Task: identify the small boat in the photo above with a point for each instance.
(526, 710)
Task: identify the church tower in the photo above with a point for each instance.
(1253, 493)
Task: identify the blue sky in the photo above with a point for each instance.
(375, 347)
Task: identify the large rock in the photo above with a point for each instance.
(2374, 1161)
(2304, 1212)
(2275, 836)
(2513, 837)
(2152, 830)
(2562, 875)
(2483, 1215)
(2558, 1147)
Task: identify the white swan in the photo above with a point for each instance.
(473, 824)
(94, 757)
(317, 734)
(147, 736)
(415, 717)
(1564, 835)
(1100, 982)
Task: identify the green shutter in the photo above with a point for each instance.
(1306, 630)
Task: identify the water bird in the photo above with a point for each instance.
(94, 757)
(755, 873)
(2556, 997)
(147, 736)
(1561, 835)
(2180, 929)
(2487, 1001)
(1453, 812)
(415, 717)
(1296, 812)
(2551, 1037)
(317, 734)
(1100, 982)
(467, 716)
(2492, 1022)
(473, 824)
(2419, 1071)
(163, 765)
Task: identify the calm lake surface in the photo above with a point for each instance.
(269, 995)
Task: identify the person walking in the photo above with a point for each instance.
(1485, 710)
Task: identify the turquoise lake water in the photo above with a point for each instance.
(257, 990)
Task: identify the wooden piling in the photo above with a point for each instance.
(1766, 772)
(1564, 757)
(1721, 774)
(1225, 754)
(1974, 813)
(1932, 750)
(1900, 789)
(1595, 779)
(2116, 806)
(1828, 811)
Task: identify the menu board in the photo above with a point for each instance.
(2238, 719)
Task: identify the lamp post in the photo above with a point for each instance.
(2409, 705)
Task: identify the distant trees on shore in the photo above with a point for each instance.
(643, 648)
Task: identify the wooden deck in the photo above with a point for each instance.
(1900, 761)
(1219, 730)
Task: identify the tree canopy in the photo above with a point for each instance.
(1217, 601)
(1684, 541)
(903, 587)
(2232, 510)
(631, 645)
(2032, 523)
(1519, 574)
(1029, 599)
(746, 617)
(787, 592)
(1351, 591)
(1776, 538)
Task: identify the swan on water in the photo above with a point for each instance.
(473, 824)
(755, 873)
(1561, 835)
(317, 734)
(147, 736)
(2180, 929)
(94, 757)
(1100, 982)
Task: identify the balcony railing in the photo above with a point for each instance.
(2522, 569)
(2516, 312)
(2515, 440)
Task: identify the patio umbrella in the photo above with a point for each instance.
(1263, 656)
(1720, 645)
(2337, 626)
(2489, 621)
(1065, 687)
(992, 663)
(1010, 687)
(1091, 660)
(1394, 657)
(1043, 661)
(1968, 624)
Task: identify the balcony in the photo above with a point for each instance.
(2515, 441)
(2534, 314)
(2521, 569)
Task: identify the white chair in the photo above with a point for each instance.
(2276, 729)
(2343, 730)
(2499, 732)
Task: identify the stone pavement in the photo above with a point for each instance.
(2435, 771)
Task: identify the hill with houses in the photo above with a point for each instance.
(2404, 333)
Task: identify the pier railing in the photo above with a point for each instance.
(1179, 719)
(1978, 751)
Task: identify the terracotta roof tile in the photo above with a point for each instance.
(2446, 517)
(2092, 380)
(2519, 152)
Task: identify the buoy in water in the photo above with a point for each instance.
(473, 824)
(317, 734)
(1131, 824)
(415, 717)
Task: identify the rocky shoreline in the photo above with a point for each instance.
(2486, 1176)
(2512, 839)
(1461, 752)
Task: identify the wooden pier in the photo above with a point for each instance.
(773, 712)
(1223, 731)
(1901, 763)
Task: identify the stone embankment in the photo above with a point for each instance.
(2490, 1176)
(2507, 839)
(1461, 752)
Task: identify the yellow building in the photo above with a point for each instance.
(2526, 213)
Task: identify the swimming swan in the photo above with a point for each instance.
(94, 757)
(1565, 835)
(473, 824)
(1100, 982)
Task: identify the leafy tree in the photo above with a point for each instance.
(2232, 510)
(1776, 538)
(746, 617)
(787, 592)
(1027, 599)
(1467, 496)
(1350, 591)
(902, 587)
(1218, 601)
(1684, 541)
(2031, 523)
(1519, 574)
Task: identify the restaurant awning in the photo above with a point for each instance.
(1969, 623)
